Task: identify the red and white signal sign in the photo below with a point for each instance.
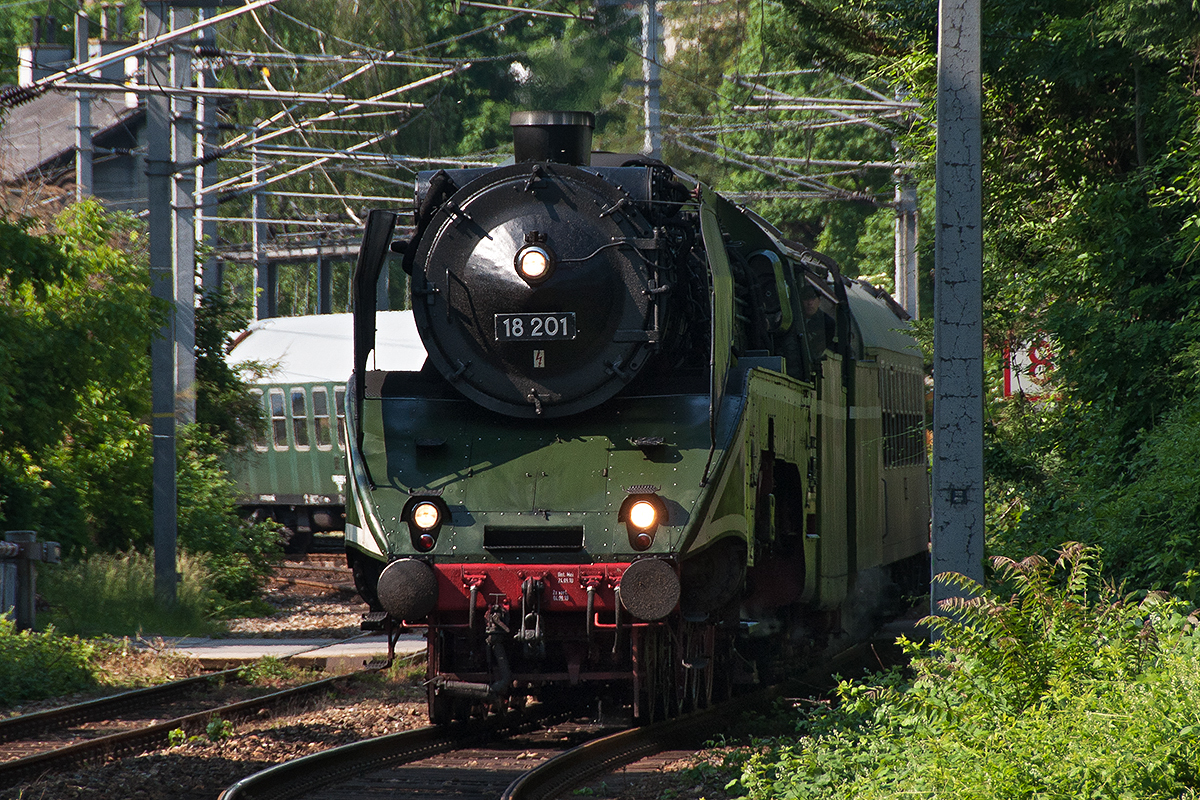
(1028, 367)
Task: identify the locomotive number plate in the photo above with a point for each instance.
(535, 327)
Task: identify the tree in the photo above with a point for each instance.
(735, 54)
(1090, 145)
(76, 321)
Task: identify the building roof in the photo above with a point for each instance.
(320, 348)
(39, 136)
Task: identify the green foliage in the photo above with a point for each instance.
(1093, 122)
(215, 730)
(114, 595)
(1046, 640)
(75, 444)
(1060, 691)
(218, 729)
(73, 335)
(34, 666)
(224, 403)
(1090, 146)
(271, 671)
(32, 263)
(238, 555)
(725, 55)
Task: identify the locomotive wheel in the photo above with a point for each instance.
(698, 665)
(657, 666)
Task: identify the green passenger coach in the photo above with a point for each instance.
(295, 473)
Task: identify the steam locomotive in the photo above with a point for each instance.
(656, 449)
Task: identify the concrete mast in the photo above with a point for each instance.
(957, 502)
(651, 47)
(162, 287)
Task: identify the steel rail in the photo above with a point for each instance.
(148, 737)
(101, 708)
(294, 778)
(557, 776)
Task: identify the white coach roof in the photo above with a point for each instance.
(320, 348)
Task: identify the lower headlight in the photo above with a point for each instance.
(643, 515)
(426, 516)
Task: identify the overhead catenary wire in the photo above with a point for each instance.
(245, 140)
(778, 169)
(330, 58)
(246, 189)
(532, 11)
(825, 190)
(310, 223)
(249, 94)
(14, 95)
(366, 198)
(300, 132)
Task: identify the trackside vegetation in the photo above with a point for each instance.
(76, 322)
(1052, 686)
(38, 665)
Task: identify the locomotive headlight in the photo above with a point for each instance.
(643, 515)
(534, 263)
(642, 512)
(426, 516)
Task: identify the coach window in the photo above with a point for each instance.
(278, 420)
(339, 402)
(320, 398)
(260, 440)
(299, 420)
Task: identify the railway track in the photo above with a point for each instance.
(528, 756)
(476, 759)
(325, 571)
(129, 723)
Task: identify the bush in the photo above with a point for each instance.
(1060, 691)
(34, 666)
(76, 322)
(239, 555)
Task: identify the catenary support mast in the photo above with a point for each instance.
(957, 502)
(162, 286)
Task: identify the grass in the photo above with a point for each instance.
(113, 595)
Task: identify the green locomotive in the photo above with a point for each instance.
(656, 448)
